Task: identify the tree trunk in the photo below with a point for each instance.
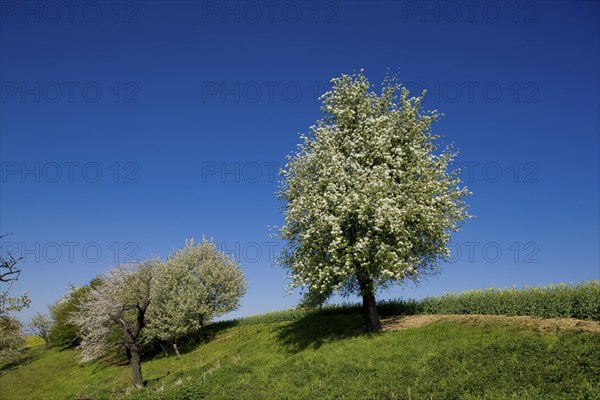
(136, 366)
(372, 321)
(127, 354)
(176, 349)
(165, 349)
(131, 335)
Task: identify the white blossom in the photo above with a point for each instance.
(368, 193)
(195, 285)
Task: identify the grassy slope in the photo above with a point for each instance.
(324, 357)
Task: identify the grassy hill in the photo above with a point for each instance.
(325, 355)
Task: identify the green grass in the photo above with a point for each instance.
(325, 357)
(33, 341)
(298, 354)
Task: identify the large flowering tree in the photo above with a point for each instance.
(370, 201)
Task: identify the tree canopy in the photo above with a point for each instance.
(195, 285)
(370, 200)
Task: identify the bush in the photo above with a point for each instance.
(63, 333)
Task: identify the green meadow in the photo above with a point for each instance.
(325, 354)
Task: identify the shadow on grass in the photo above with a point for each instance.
(19, 360)
(316, 329)
(205, 335)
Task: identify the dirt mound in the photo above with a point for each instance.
(535, 323)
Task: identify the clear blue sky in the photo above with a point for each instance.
(128, 127)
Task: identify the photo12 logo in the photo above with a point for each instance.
(269, 91)
(494, 172)
(476, 91)
(70, 12)
(69, 92)
(493, 252)
(251, 252)
(69, 172)
(251, 92)
(470, 12)
(240, 172)
(72, 252)
(270, 12)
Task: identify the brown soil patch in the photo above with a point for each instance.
(545, 325)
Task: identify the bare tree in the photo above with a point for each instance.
(120, 301)
(9, 274)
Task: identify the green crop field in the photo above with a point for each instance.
(325, 355)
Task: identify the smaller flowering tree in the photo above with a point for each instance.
(370, 201)
(40, 325)
(120, 300)
(195, 285)
(12, 339)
